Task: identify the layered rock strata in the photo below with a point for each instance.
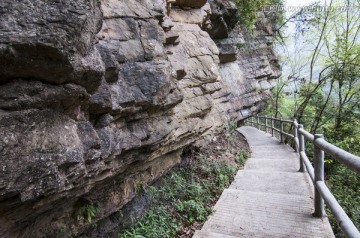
(100, 97)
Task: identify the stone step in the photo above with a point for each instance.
(278, 147)
(209, 234)
(274, 155)
(267, 142)
(278, 164)
(241, 213)
(273, 182)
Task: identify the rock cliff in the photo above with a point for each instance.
(98, 97)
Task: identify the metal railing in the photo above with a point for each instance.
(321, 146)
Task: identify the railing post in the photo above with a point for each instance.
(301, 147)
(266, 124)
(252, 121)
(281, 131)
(296, 139)
(258, 123)
(319, 176)
(272, 127)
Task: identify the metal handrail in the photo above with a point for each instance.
(321, 146)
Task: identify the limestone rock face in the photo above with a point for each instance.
(99, 97)
(222, 18)
(190, 3)
(63, 31)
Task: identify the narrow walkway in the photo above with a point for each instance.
(269, 198)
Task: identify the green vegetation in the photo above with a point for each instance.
(243, 156)
(232, 126)
(240, 45)
(185, 196)
(249, 11)
(87, 212)
(345, 185)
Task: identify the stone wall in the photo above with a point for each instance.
(99, 97)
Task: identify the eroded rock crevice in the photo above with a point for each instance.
(99, 96)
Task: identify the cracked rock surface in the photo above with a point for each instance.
(99, 96)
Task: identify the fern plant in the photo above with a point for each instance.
(87, 212)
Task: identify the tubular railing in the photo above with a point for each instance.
(321, 146)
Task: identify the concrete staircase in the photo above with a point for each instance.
(269, 198)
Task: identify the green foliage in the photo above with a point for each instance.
(345, 186)
(240, 45)
(139, 186)
(87, 212)
(193, 210)
(155, 223)
(232, 126)
(249, 10)
(281, 105)
(242, 157)
(185, 196)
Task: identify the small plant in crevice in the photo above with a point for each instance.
(232, 126)
(139, 187)
(241, 45)
(87, 212)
